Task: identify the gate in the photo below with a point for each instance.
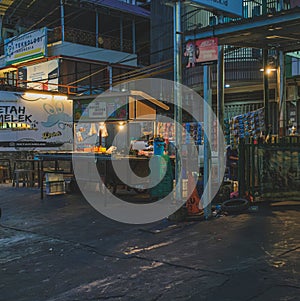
(270, 170)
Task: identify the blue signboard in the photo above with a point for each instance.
(225, 7)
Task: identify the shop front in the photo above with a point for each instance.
(31, 123)
(37, 122)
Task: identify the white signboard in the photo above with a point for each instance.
(97, 110)
(27, 46)
(43, 76)
(35, 123)
(227, 7)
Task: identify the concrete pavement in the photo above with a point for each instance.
(61, 249)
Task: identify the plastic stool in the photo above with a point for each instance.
(26, 175)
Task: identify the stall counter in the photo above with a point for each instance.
(86, 161)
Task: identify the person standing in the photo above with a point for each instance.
(232, 162)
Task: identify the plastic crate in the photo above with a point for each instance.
(55, 184)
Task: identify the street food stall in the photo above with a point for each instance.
(115, 128)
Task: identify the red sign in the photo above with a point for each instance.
(201, 51)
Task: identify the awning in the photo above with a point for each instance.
(143, 96)
(273, 31)
(4, 5)
(150, 98)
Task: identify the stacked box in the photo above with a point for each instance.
(55, 184)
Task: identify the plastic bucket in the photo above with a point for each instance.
(159, 148)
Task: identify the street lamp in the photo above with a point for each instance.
(269, 70)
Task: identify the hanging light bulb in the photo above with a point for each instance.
(102, 127)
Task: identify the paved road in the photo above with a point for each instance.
(61, 249)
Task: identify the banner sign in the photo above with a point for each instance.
(225, 7)
(43, 76)
(35, 124)
(201, 51)
(110, 108)
(25, 47)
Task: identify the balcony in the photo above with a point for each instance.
(88, 38)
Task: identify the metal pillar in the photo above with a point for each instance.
(1, 24)
(62, 20)
(264, 7)
(97, 29)
(282, 94)
(281, 5)
(220, 105)
(177, 97)
(121, 34)
(207, 94)
(266, 90)
(133, 37)
(110, 77)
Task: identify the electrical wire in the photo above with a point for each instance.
(128, 75)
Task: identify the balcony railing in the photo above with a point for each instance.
(251, 9)
(263, 7)
(88, 38)
(235, 71)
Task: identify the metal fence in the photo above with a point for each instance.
(270, 170)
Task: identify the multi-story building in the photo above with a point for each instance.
(244, 89)
(63, 48)
(89, 43)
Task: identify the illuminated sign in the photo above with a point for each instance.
(226, 7)
(43, 76)
(35, 123)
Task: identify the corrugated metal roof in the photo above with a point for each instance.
(4, 5)
(121, 6)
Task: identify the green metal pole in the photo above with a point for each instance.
(266, 90)
(241, 168)
(177, 98)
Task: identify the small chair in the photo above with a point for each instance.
(5, 170)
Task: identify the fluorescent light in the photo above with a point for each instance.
(60, 97)
(35, 96)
